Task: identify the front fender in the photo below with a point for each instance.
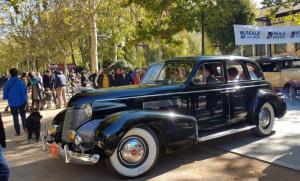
(173, 130)
(262, 97)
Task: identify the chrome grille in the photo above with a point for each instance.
(73, 119)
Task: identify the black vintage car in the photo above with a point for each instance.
(183, 100)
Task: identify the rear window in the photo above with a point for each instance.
(254, 72)
(236, 72)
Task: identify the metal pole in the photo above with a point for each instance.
(202, 32)
(268, 23)
(147, 55)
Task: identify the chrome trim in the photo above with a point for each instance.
(225, 133)
(132, 151)
(70, 156)
(188, 92)
(264, 118)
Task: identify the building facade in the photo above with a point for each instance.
(274, 50)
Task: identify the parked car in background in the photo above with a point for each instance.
(181, 101)
(284, 75)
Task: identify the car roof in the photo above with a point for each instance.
(277, 59)
(225, 58)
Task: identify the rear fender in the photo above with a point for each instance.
(292, 83)
(262, 97)
(173, 130)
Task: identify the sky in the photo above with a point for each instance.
(257, 3)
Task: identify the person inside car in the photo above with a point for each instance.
(206, 75)
(233, 74)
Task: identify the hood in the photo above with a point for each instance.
(121, 93)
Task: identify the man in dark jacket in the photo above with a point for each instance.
(123, 78)
(92, 78)
(105, 79)
(48, 80)
(4, 171)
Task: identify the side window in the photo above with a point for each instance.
(209, 73)
(235, 72)
(271, 67)
(254, 72)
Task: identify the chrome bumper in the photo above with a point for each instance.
(70, 156)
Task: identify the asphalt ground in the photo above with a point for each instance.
(202, 161)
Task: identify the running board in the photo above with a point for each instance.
(208, 135)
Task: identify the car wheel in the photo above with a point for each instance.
(265, 120)
(289, 93)
(136, 154)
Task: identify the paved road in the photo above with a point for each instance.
(282, 147)
(200, 162)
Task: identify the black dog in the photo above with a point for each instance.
(33, 124)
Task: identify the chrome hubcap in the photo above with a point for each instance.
(264, 117)
(132, 151)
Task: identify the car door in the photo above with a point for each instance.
(208, 95)
(242, 89)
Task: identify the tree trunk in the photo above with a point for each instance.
(159, 39)
(34, 64)
(72, 54)
(93, 32)
(115, 54)
(159, 51)
(48, 57)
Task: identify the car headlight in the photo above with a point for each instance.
(88, 110)
(52, 130)
(77, 140)
(71, 135)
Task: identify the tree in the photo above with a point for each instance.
(162, 20)
(220, 30)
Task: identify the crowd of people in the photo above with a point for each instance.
(53, 86)
(104, 78)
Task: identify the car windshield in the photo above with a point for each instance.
(168, 73)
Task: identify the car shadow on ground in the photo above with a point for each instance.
(29, 162)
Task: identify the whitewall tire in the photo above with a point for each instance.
(137, 153)
(265, 122)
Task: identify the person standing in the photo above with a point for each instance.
(83, 79)
(136, 76)
(15, 92)
(60, 83)
(4, 171)
(123, 78)
(48, 87)
(105, 79)
(36, 91)
(92, 78)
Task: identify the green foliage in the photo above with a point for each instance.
(58, 31)
(220, 30)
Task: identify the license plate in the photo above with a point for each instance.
(54, 149)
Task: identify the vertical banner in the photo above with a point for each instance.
(251, 35)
